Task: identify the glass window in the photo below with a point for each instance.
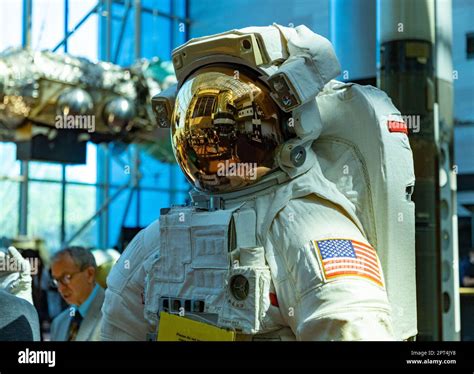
(11, 20)
(156, 33)
(163, 6)
(84, 173)
(9, 166)
(80, 207)
(178, 180)
(155, 174)
(116, 213)
(9, 215)
(85, 41)
(44, 212)
(120, 165)
(156, 36)
(180, 8)
(152, 202)
(123, 35)
(45, 170)
(47, 28)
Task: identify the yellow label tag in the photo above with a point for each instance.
(179, 329)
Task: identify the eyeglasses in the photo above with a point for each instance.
(64, 280)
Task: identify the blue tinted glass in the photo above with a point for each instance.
(152, 202)
(47, 26)
(117, 211)
(160, 5)
(155, 174)
(123, 36)
(9, 166)
(44, 212)
(80, 207)
(11, 23)
(84, 173)
(156, 36)
(9, 201)
(84, 41)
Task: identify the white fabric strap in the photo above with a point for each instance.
(245, 222)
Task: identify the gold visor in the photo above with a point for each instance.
(225, 130)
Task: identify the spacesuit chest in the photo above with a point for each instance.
(208, 270)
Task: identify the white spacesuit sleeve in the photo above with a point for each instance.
(329, 285)
(123, 309)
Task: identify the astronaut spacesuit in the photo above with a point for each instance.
(271, 247)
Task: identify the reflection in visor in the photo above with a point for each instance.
(225, 130)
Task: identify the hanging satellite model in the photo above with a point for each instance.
(52, 104)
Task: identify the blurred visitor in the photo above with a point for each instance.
(73, 272)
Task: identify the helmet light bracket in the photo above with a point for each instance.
(163, 106)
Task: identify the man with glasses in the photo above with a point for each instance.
(73, 272)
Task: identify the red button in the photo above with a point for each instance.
(273, 299)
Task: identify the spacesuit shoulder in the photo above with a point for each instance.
(134, 256)
(123, 307)
(151, 235)
(326, 274)
(327, 245)
(310, 218)
(368, 96)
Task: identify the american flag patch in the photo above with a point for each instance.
(345, 257)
